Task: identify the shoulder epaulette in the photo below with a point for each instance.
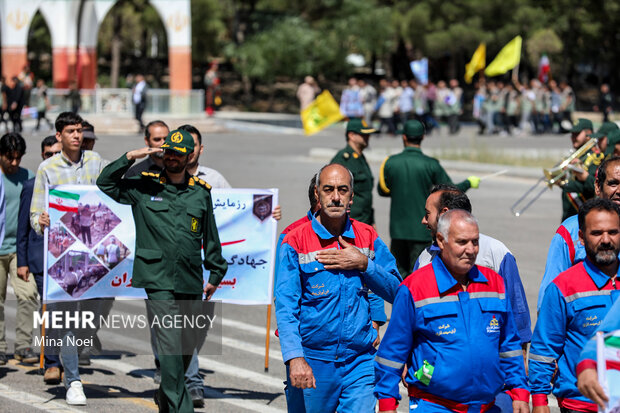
(195, 180)
(150, 174)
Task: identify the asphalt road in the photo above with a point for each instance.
(235, 380)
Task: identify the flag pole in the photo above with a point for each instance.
(42, 355)
(515, 71)
(267, 338)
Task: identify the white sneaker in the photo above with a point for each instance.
(75, 394)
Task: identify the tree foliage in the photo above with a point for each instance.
(264, 39)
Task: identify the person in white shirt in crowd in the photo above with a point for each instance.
(385, 107)
(139, 99)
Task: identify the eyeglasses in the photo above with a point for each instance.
(49, 154)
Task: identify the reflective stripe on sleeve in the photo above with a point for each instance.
(508, 354)
(389, 363)
(544, 359)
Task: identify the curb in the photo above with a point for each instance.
(377, 156)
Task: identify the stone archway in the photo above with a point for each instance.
(17, 15)
(39, 48)
(133, 39)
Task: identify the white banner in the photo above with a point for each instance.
(89, 246)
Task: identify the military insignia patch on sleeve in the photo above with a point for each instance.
(194, 225)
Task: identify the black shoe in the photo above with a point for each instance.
(197, 397)
(26, 355)
(162, 407)
(2, 359)
(84, 358)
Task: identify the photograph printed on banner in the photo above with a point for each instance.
(77, 271)
(93, 220)
(112, 251)
(59, 239)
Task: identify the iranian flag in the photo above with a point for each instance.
(544, 68)
(608, 367)
(612, 350)
(63, 201)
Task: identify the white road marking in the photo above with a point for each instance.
(234, 400)
(251, 348)
(241, 373)
(34, 401)
(249, 328)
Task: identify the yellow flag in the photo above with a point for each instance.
(507, 58)
(322, 112)
(477, 63)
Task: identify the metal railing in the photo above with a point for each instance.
(119, 101)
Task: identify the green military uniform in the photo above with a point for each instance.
(361, 209)
(407, 178)
(575, 193)
(592, 160)
(173, 223)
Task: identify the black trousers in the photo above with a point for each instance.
(139, 108)
(406, 252)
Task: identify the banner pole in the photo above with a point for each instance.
(267, 338)
(42, 355)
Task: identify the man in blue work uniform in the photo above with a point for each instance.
(326, 269)
(587, 376)
(453, 327)
(572, 308)
(492, 254)
(566, 250)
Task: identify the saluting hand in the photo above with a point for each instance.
(142, 152)
(347, 258)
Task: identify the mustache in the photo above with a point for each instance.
(334, 204)
(606, 247)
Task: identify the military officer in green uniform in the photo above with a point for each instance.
(407, 178)
(584, 182)
(173, 215)
(579, 189)
(357, 135)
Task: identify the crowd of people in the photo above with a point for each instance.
(460, 328)
(68, 158)
(498, 107)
